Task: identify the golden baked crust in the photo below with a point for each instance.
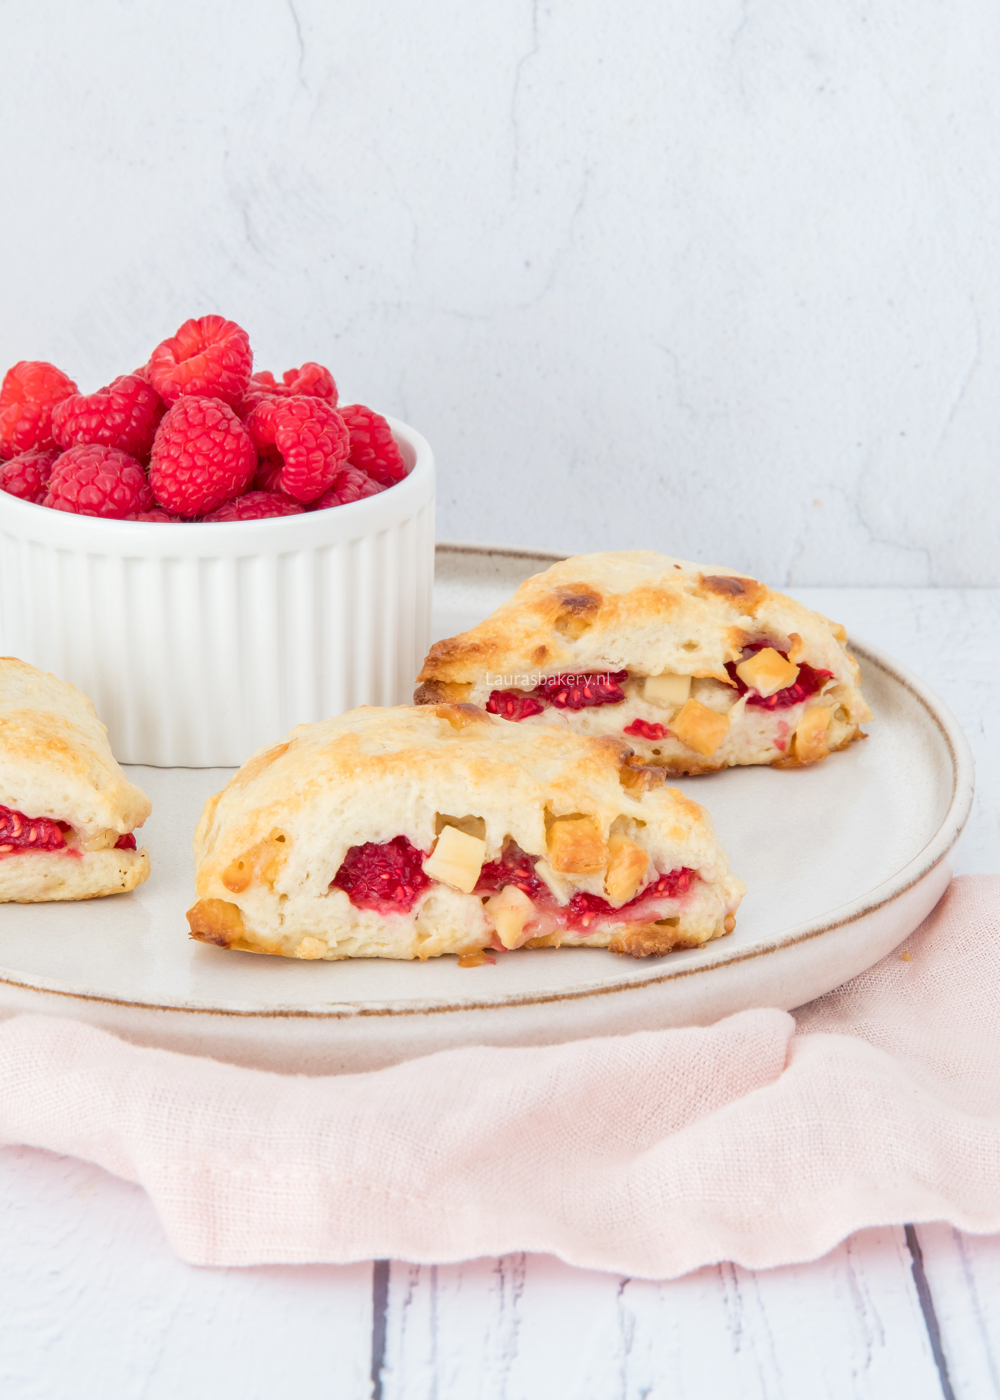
(651, 615)
(55, 762)
(269, 845)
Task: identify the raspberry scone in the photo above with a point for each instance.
(67, 811)
(697, 668)
(409, 833)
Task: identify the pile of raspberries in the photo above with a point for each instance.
(192, 435)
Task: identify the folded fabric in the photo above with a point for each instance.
(763, 1139)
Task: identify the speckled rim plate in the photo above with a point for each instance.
(891, 807)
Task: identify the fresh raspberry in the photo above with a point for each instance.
(312, 380)
(28, 475)
(349, 484)
(373, 447)
(256, 505)
(309, 436)
(262, 386)
(207, 358)
(156, 516)
(511, 704)
(582, 692)
(95, 480)
(386, 876)
(268, 476)
(126, 842)
(202, 457)
(268, 479)
(644, 730)
(21, 833)
(515, 867)
(806, 683)
(30, 391)
(124, 415)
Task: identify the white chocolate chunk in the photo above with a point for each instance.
(810, 736)
(626, 867)
(700, 728)
(102, 841)
(510, 910)
(576, 846)
(456, 859)
(767, 672)
(558, 885)
(666, 690)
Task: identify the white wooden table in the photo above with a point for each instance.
(94, 1303)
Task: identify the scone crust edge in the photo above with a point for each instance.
(643, 611)
(55, 759)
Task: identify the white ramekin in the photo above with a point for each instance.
(200, 643)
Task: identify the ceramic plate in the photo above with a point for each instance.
(841, 861)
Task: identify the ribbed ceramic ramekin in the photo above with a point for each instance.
(199, 643)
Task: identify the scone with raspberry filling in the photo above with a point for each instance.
(413, 832)
(698, 668)
(67, 811)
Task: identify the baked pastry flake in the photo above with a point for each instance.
(698, 668)
(67, 810)
(414, 832)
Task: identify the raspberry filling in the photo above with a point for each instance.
(583, 692)
(21, 833)
(386, 876)
(566, 692)
(515, 867)
(644, 730)
(808, 682)
(511, 704)
(585, 908)
(126, 842)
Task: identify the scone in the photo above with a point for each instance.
(408, 833)
(67, 811)
(697, 668)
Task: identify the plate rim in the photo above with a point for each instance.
(884, 894)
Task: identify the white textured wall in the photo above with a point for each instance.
(718, 278)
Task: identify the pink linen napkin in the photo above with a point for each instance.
(764, 1139)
